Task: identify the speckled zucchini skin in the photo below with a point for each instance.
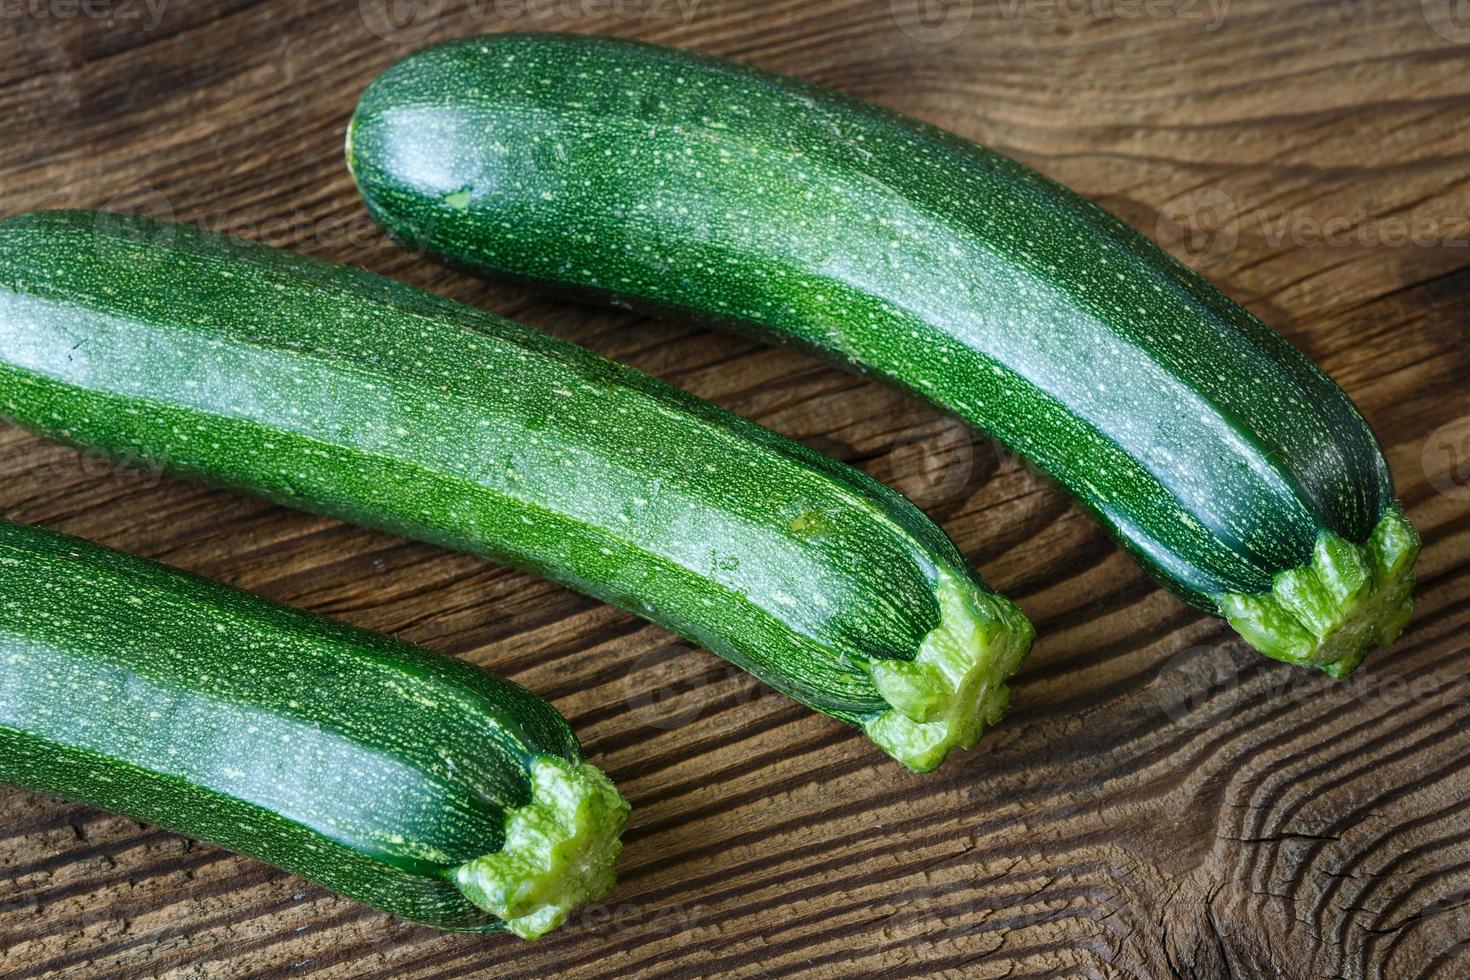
(677, 183)
(384, 772)
(334, 390)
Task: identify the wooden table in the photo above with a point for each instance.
(1160, 802)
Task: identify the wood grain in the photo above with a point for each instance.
(1161, 802)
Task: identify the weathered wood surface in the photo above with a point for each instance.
(1160, 802)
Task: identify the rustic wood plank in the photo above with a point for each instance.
(1160, 802)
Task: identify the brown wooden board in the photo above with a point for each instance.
(1160, 801)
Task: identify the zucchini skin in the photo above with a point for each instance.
(668, 181)
(376, 768)
(337, 391)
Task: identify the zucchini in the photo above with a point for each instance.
(413, 782)
(1237, 473)
(334, 390)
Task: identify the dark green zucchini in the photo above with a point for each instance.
(410, 781)
(337, 391)
(667, 181)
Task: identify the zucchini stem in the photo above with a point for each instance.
(1328, 613)
(955, 687)
(559, 850)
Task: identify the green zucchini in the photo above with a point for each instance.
(334, 390)
(671, 182)
(413, 782)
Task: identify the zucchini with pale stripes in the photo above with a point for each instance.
(337, 391)
(413, 782)
(672, 182)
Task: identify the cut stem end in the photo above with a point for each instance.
(1329, 613)
(955, 687)
(559, 850)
